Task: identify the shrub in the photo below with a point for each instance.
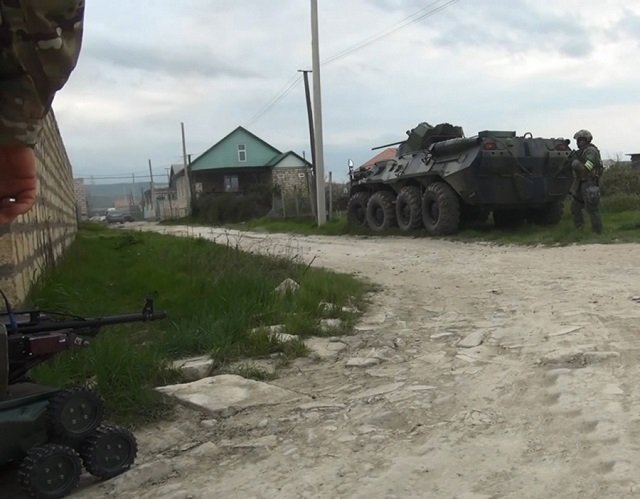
(620, 179)
(616, 203)
(222, 208)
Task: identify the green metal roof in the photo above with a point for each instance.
(224, 153)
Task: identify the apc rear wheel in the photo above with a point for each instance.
(381, 214)
(440, 209)
(408, 210)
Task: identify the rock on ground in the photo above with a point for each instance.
(226, 394)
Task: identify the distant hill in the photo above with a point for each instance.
(102, 196)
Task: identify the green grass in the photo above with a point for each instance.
(213, 295)
(307, 226)
(620, 225)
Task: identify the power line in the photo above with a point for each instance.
(105, 177)
(140, 172)
(427, 11)
(281, 94)
(413, 18)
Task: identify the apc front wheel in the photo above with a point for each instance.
(357, 209)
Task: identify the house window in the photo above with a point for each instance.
(242, 153)
(231, 183)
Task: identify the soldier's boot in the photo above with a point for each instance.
(596, 221)
(576, 213)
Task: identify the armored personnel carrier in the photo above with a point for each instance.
(441, 179)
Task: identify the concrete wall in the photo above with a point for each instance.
(293, 199)
(81, 198)
(180, 204)
(292, 179)
(35, 241)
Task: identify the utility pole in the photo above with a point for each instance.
(153, 194)
(133, 186)
(169, 193)
(186, 170)
(307, 93)
(330, 196)
(317, 115)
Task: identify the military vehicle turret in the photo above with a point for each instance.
(441, 179)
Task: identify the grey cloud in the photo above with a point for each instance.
(386, 4)
(628, 26)
(517, 28)
(511, 24)
(162, 60)
(408, 6)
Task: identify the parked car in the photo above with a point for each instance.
(116, 216)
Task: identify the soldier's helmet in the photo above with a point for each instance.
(583, 134)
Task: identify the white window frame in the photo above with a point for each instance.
(242, 153)
(229, 181)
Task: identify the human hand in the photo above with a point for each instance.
(18, 181)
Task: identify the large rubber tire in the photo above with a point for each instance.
(550, 214)
(408, 208)
(110, 451)
(508, 219)
(381, 214)
(50, 471)
(357, 209)
(74, 413)
(440, 209)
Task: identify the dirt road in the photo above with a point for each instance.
(546, 406)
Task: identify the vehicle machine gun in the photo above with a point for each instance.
(53, 432)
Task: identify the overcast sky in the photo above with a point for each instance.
(540, 66)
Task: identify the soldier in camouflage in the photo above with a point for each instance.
(587, 168)
(39, 46)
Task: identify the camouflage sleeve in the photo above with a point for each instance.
(592, 161)
(39, 46)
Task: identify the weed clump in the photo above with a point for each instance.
(214, 296)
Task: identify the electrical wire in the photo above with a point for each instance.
(412, 19)
(281, 94)
(425, 12)
(421, 14)
(103, 177)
